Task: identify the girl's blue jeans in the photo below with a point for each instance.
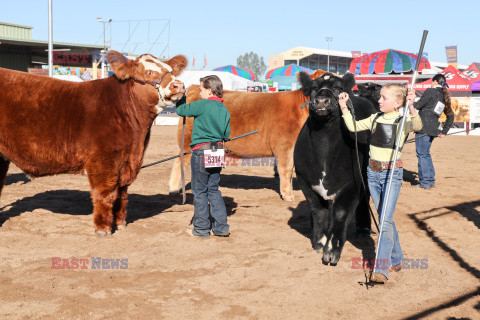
(205, 190)
(388, 247)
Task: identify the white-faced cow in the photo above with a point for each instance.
(49, 126)
(326, 164)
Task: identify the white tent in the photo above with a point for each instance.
(229, 80)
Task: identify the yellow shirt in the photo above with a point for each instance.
(412, 124)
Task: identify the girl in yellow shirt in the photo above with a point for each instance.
(384, 127)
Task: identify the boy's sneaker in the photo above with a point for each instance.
(201, 235)
(225, 235)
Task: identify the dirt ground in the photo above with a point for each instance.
(266, 269)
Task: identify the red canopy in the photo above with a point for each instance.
(456, 80)
(473, 72)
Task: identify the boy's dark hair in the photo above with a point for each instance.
(214, 83)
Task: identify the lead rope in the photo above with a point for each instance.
(182, 170)
(360, 167)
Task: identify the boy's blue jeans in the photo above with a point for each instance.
(205, 190)
(389, 250)
(426, 171)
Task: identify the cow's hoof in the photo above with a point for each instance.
(327, 256)
(122, 226)
(334, 259)
(288, 198)
(103, 234)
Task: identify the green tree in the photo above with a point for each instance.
(251, 61)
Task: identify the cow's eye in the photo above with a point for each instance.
(149, 73)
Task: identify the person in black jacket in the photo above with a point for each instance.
(434, 101)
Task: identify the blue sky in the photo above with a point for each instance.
(223, 30)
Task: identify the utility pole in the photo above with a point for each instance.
(50, 39)
(104, 44)
(329, 39)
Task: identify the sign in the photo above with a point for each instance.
(356, 54)
(451, 55)
(214, 159)
(475, 110)
(460, 108)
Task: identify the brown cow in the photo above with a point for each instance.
(278, 119)
(49, 126)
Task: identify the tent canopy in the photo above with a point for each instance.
(473, 72)
(475, 86)
(387, 61)
(244, 73)
(456, 80)
(288, 70)
(229, 81)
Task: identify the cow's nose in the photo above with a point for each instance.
(179, 86)
(323, 102)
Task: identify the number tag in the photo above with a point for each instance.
(438, 110)
(214, 159)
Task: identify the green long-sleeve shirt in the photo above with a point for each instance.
(211, 123)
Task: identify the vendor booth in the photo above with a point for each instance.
(459, 88)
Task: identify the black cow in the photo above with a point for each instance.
(371, 92)
(326, 163)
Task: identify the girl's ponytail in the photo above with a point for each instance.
(441, 80)
(448, 101)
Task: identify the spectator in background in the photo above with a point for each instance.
(434, 101)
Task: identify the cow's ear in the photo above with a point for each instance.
(348, 82)
(305, 81)
(361, 88)
(178, 63)
(121, 65)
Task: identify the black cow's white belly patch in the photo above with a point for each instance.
(321, 190)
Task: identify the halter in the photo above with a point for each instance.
(312, 97)
(155, 83)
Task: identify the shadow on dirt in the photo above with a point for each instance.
(301, 222)
(75, 202)
(16, 177)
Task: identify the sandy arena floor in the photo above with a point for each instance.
(267, 269)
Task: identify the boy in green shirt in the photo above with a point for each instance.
(211, 126)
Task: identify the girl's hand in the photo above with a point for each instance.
(441, 135)
(411, 96)
(342, 100)
(411, 100)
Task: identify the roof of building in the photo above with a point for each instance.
(43, 43)
(15, 25)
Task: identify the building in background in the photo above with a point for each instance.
(19, 52)
(313, 59)
(318, 59)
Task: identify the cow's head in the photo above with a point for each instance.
(371, 92)
(324, 91)
(148, 70)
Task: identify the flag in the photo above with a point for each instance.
(204, 60)
(193, 61)
(451, 55)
